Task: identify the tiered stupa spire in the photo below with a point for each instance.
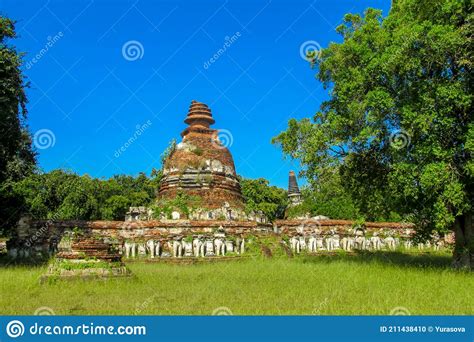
(199, 119)
(200, 166)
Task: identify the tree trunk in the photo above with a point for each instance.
(463, 255)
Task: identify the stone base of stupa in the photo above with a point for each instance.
(85, 257)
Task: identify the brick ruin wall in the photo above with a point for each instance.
(182, 237)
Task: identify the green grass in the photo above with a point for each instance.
(367, 284)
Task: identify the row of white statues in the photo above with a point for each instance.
(198, 247)
(332, 241)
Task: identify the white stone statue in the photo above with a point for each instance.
(229, 246)
(196, 246)
(376, 242)
(347, 243)
(177, 249)
(238, 242)
(202, 249)
(312, 244)
(209, 247)
(332, 241)
(130, 249)
(188, 248)
(408, 244)
(320, 243)
(360, 242)
(141, 249)
(390, 242)
(150, 244)
(302, 243)
(219, 246)
(336, 241)
(329, 243)
(295, 244)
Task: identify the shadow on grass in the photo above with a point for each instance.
(6, 261)
(394, 258)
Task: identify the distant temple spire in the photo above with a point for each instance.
(294, 194)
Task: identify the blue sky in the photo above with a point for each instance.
(89, 91)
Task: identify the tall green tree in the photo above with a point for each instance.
(64, 195)
(399, 120)
(259, 195)
(328, 198)
(17, 158)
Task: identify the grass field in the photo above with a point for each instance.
(367, 284)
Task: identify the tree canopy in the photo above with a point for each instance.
(63, 195)
(17, 158)
(398, 124)
(260, 196)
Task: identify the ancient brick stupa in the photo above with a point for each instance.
(202, 166)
